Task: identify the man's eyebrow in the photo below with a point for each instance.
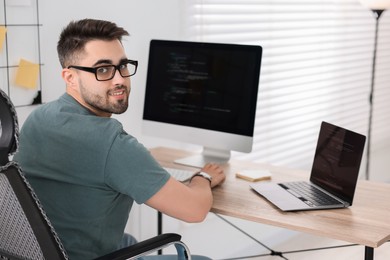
(107, 61)
(123, 60)
(103, 61)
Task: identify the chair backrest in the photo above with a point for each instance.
(25, 230)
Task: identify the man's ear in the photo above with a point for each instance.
(70, 77)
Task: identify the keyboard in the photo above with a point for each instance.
(309, 194)
(180, 174)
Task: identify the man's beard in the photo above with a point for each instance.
(103, 104)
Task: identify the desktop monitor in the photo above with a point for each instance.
(204, 94)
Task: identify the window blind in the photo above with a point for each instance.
(317, 62)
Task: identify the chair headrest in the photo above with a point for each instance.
(9, 129)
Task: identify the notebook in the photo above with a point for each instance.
(334, 174)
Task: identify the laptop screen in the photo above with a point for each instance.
(337, 160)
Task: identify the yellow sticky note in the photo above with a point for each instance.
(27, 74)
(3, 31)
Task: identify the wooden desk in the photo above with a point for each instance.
(366, 222)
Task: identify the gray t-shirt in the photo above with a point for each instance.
(86, 171)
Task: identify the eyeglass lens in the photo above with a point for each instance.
(108, 72)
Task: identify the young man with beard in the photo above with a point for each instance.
(86, 170)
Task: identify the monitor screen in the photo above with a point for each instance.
(207, 93)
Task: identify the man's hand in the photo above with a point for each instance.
(216, 172)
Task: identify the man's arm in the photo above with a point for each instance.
(191, 202)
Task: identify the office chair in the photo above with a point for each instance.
(25, 230)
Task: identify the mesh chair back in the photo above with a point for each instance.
(25, 231)
(16, 236)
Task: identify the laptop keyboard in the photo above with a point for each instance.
(309, 194)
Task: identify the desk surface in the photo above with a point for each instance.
(366, 222)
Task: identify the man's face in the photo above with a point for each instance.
(101, 97)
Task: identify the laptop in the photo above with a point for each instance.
(333, 177)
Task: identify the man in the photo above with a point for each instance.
(84, 167)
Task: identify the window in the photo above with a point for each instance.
(317, 61)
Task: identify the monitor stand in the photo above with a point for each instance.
(209, 155)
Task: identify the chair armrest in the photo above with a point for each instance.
(148, 245)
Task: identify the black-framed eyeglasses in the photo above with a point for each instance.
(107, 72)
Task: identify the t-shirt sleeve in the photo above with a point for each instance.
(131, 170)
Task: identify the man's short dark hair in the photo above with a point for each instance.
(74, 37)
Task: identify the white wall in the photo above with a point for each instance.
(144, 20)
